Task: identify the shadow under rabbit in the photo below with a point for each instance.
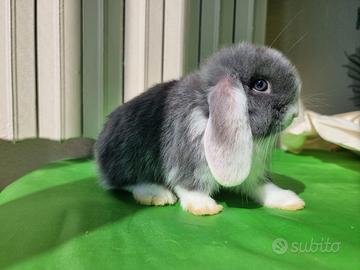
(237, 200)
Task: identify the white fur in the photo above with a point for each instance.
(229, 161)
(197, 203)
(198, 124)
(151, 194)
(262, 152)
(270, 195)
(171, 176)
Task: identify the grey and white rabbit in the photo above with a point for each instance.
(212, 129)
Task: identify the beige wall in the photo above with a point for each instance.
(24, 156)
(328, 30)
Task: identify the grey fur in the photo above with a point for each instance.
(151, 138)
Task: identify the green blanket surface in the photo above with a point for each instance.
(58, 217)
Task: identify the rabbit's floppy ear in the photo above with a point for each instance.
(228, 139)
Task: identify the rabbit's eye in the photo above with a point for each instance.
(260, 85)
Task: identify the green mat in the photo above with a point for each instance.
(58, 218)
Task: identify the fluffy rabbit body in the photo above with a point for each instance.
(211, 129)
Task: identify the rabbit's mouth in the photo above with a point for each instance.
(291, 113)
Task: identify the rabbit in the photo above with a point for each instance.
(212, 129)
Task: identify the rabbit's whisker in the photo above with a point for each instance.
(298, 41)
(285, 27)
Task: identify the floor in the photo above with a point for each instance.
(57, 217)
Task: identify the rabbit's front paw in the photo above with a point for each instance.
(198, 203)
(203, 207)
(152, 194)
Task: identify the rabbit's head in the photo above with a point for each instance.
(270, 82)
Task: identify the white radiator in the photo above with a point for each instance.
(40, 71)
(18, 114)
